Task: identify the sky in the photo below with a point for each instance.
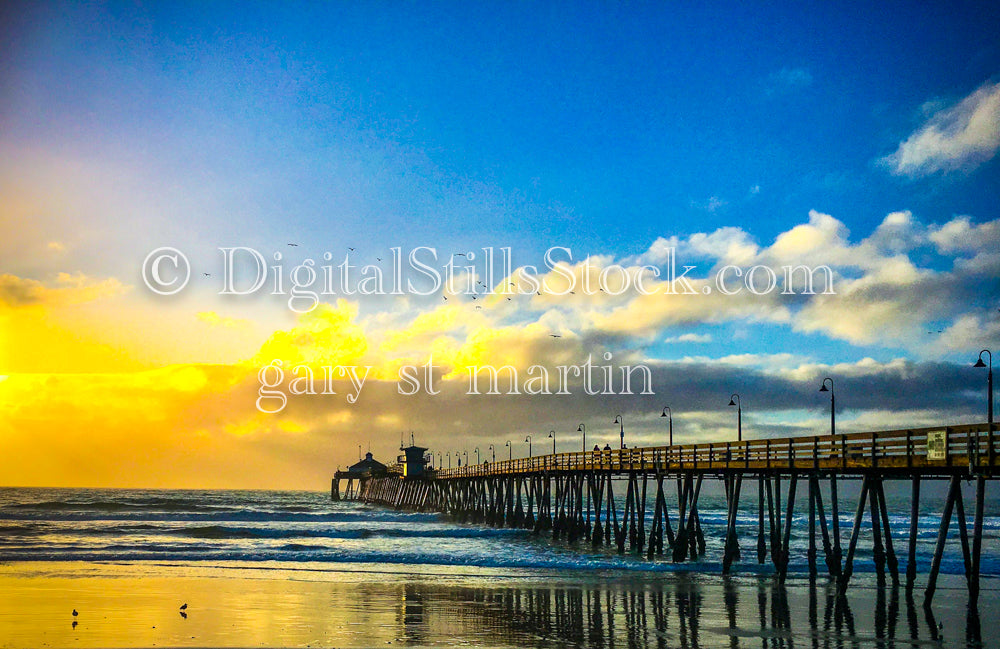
(573, 142)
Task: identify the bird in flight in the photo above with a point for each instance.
(294, 245)
(184, 607)
(207, 274)
(459, 254)
(351, 249)
(555, 335)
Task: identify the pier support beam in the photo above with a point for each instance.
(911, 555)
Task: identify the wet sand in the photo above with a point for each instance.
(138, 605)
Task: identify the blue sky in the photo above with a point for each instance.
(629, 119)
(860, 137)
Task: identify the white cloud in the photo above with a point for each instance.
(961, 136)
(967, 333)
(690, 338)
(959, 235)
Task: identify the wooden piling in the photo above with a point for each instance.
(848, 569)
(954, 491)
(811, 553)
(890, 552)
(911, 555)
(761, 543)
(730, 552)
(977, 540)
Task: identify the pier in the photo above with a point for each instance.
(572, 496)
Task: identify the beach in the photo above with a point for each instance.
(138, 605)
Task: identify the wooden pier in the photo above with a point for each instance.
(572, 496)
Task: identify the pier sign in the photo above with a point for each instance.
(937, 445)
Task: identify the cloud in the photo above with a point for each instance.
(960, 236)
(958, 137)
(728, 245)
(689, 338)
(887, 287)
(194, 425)
(969, 332)
(891, 287)
(67, 288)
(327, 335)
(213, 319)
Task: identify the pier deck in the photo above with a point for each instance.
(893, 451)
(572, 496)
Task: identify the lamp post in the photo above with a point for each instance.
(493, 454)
(510, 451)
(359, 451)
(989, 398)
(466, 455)
(834, 506)
(977, 533)
(449, 460)
(668, 413)
(552, 436)
(739, 416)
(458, 458)
(583, 428)
(833, 404)
(989, 383)
(477, 455)
(528, 439)
(440, 463)
(621, 432)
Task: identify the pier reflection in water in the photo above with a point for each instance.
(685, 613)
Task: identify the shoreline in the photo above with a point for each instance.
(138, 604)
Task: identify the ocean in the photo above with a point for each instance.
(296, 527)
(373, 558)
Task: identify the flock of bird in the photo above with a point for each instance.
(444, 297)
(183, 612)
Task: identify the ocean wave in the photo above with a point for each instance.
(20, 530)
(221, 517)
(222, 532)
(298, 553)
(156, 504)
(82, 525)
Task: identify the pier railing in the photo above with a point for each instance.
(573, 496)
(946, 449)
